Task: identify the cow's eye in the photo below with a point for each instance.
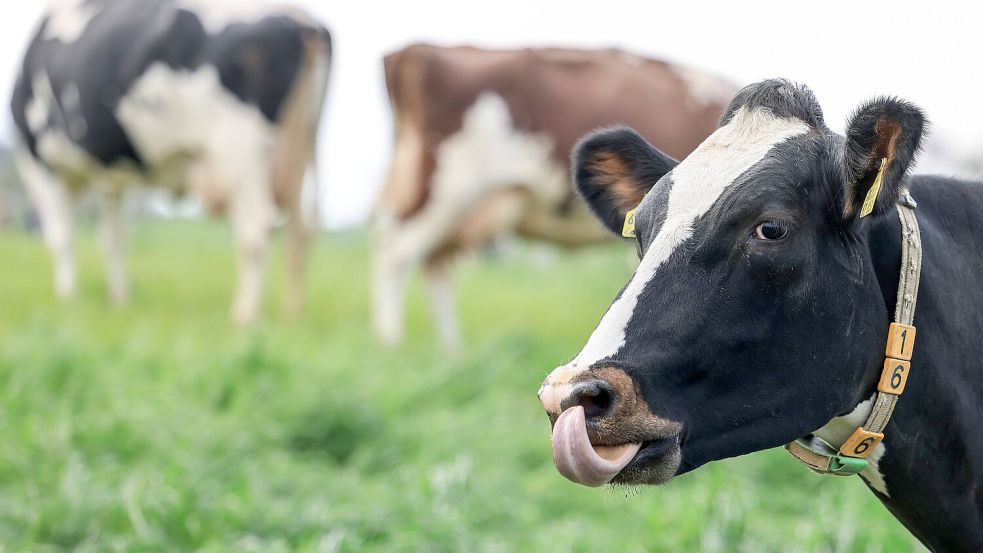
(771, 230)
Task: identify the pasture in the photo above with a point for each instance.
(159, 427)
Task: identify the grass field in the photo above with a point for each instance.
(159, 428)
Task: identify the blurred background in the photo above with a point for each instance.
(159, 426)
(845, 52)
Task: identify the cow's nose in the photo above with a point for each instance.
(601, 391)
(596, 396)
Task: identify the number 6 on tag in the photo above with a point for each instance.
(861, 443)
(894, 376)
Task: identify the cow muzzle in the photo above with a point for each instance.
(604, 432)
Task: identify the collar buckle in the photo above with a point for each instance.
(822, 458)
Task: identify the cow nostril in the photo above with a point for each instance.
(596, 402)
(597, 397)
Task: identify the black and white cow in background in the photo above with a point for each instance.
(759, 311)
(219, 98)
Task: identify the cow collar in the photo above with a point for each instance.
(851, 457)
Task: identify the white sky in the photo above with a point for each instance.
(846, 51)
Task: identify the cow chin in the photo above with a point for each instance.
(656, 463)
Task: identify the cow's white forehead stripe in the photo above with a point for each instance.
(697, 183)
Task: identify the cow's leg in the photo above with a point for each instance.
(496, 215)
(484, 158)
(111, 238)
(301, 228)
(442, 301)
(54, 205)
(295, 167)
(401, 247)
(405, 184)
(389, 278)
(252, 216)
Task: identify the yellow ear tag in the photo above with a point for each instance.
(874, 189)
(628, 231)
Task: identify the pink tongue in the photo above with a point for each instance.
(581, 462)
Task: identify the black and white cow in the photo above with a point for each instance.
(759, 311)
(219, 98)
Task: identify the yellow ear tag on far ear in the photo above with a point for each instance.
(628, 231)
(874, 189)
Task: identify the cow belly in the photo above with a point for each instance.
(500, 212)
(193, 132)
(479, 166)
(511, 179)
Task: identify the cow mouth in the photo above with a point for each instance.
(644, 462)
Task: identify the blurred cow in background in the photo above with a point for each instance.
(483, 140)
(222, 99)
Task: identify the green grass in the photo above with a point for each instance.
(159, 428)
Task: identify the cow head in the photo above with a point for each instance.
(754, 316)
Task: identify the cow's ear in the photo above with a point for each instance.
(883, 137)
(613, 170)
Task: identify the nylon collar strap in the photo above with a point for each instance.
(851, 457)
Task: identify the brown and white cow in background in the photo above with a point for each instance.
(219, 98)
(483, 140)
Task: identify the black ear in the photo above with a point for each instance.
(884, 130)
(613, 169)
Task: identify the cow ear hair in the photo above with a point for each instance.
(883, 138)
(613, 169)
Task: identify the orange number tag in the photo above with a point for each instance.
(900, 341)
(861, 443)
(894, 376)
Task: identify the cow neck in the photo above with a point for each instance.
(851, 456)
